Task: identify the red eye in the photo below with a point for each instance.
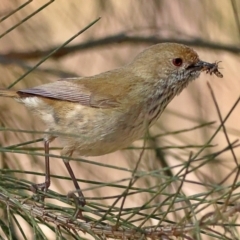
(177, 62)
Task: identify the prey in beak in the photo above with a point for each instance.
(205, 66)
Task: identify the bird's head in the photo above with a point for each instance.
(169, 65)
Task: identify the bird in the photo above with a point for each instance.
(97, 115)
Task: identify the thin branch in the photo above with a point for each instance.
(117, 39)
(47, 215)
(229, 144)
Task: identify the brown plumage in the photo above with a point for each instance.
(103, 113)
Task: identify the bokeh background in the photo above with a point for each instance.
(127, 27)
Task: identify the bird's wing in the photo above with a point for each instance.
(86, 91)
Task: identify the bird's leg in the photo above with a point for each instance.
(45, 185)
(80, 200)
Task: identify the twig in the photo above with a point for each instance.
(116, 39)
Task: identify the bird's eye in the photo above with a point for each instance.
(177, 62)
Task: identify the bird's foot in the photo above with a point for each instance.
(79, 202)
(40, 186)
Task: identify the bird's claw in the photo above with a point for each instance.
(79, 201)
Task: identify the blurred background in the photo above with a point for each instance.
(190, 127)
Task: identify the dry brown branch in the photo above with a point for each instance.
(116, 39)
(153, 232)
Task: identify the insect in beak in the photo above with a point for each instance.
(205, 66)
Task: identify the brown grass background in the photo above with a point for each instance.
(196, 23)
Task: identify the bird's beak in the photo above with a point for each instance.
(200, 65)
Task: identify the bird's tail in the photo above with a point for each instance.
(8, 93)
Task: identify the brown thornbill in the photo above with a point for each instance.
(103, 113)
